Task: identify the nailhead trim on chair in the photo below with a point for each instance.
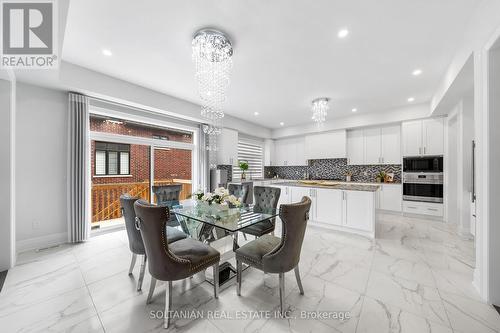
(192, 269)
(247, 259)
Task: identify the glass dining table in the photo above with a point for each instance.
(209, 223)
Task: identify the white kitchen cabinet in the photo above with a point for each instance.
(326, 145)
(372, 146)
(279, 153)
(227, 144)
(328, 206)
(300, 151)
(289, 152)
(297, 193)
(412, 138)
(285, 195)
(380, 145)
(423, 137)
(391, 144)
(355, 147)
(359, 210)
(390, 197)
(433, 136)
(423, 208)
(269, 152)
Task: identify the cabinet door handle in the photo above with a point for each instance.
(424, 150)
(420, 151)
(432, 209)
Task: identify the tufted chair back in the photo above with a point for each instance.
(134, 236)
(286, 255)
(240, 191)
(167, 194)
(163, 264)
(266, 198)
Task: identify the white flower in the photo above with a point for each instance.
(207, 197)
(233, 200)
(221, 191)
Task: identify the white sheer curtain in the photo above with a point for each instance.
(78, 173)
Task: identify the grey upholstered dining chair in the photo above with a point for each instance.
(240, 191)
(135, 242)
(278, 255)
(171, 261)
(168, 195)
(265, 198)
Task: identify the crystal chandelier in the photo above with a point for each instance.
(320, 110)
(212, 56)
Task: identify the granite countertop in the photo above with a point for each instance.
(339, 186)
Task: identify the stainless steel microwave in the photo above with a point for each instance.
(423, 164)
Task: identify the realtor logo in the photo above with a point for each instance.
(29, 34)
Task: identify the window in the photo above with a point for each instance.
(253, 153)
(111, 159)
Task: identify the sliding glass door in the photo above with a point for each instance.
(134, 158)
(172, 170)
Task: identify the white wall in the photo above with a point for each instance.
(358, 120)
(480, 28)
(96, 84)
(6, 227)
(452, 170)
(41, 165)
(494, 181)
(467, 131)
(483, 26)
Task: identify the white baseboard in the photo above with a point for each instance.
(41, 242)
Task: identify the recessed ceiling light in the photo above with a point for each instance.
(282, 124)
(411, 99)
(343, 33)
(107, 52)
(416, 72)
(354, 110)
(255, 113)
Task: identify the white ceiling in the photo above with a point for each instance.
(286, 52)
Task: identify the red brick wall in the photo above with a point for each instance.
(174, 163)
(132, 129)
(169, 164)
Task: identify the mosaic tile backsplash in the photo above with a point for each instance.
(334, 169)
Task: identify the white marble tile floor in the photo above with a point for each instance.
(415, 277)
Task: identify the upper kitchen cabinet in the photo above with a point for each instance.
(269, 152)
(326, 145)
(372, 146)
(379, 145)
(433, 136)
(355, 147)
(288, 152)
(390, 139)
(227, 153)
(423, 137)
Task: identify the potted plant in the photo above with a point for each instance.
(243, 167)
(348, 176)
(380, 177)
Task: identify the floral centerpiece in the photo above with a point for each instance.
(219, 199)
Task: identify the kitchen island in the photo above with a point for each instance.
(348, 207)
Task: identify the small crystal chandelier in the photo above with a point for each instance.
(320, 110)
(212, 56)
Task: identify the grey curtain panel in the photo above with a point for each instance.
(204, 178)
(78, 173)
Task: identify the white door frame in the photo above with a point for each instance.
(149, 142)
(481, 115)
